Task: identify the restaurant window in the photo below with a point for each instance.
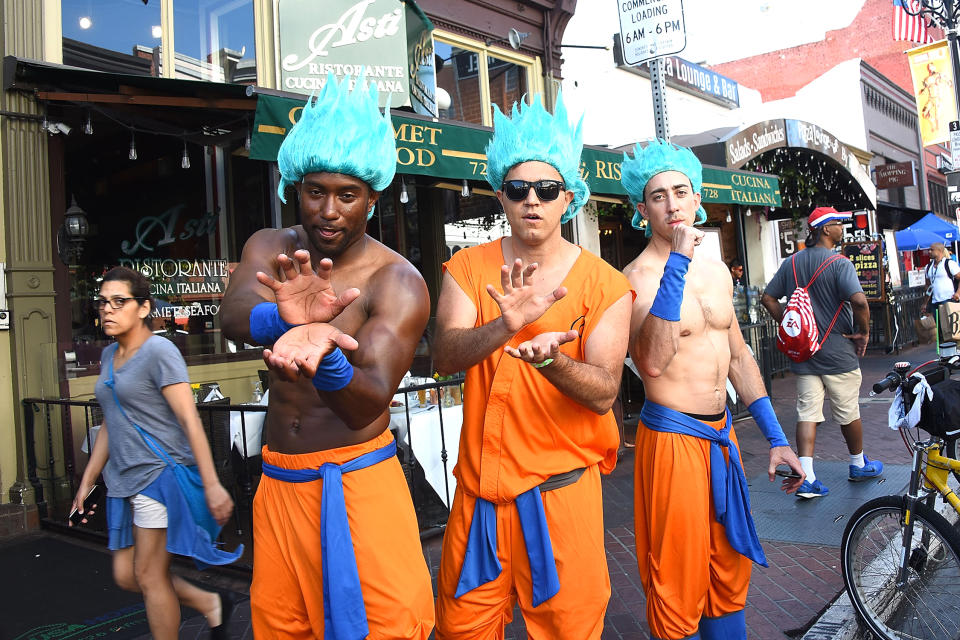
(938, 198)
(120, 36)
(214, 40)
(182, 222)
(507, 82)
(458, 73)
(474, 76)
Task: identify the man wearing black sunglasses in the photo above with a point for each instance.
(695, 538)
(543, 354)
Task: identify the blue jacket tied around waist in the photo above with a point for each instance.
(480, 562)
(731, 500)
(344, 614)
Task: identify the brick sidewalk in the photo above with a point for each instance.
(785, 598)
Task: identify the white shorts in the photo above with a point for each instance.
(148, 513)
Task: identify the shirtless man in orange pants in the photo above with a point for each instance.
(543, 352)
(338, 553)
(695, 536)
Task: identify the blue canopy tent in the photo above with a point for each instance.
(930, 222)
(911, 239)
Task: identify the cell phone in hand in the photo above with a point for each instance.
(786, 473)
(75, 517)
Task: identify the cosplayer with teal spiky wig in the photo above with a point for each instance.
(531, 133)
(657, 157)
(344, 132)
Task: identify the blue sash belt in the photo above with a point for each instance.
(480, 562)
(344, 615)
(731, 500)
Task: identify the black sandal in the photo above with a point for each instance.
(227, 605)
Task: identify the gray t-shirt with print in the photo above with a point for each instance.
(835, 285)
(132, 465)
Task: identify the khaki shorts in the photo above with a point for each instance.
(844, 390)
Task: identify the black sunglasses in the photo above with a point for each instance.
(547, 190)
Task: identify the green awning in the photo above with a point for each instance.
(456, 151)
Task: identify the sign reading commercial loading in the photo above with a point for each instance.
(894, 175)
(651, 29)
(389, 40)
(688, 77)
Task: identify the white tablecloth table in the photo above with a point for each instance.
(422, 435)
(249, 423)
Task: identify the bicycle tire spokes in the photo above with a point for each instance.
(927, 604)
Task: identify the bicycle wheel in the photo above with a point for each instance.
(928, 605)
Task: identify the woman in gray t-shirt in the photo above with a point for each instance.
(144, 385)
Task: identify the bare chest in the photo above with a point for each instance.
(705, 308)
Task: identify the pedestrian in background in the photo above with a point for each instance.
(943, 276)
(150, 427)
(843, 322)
(736, 272)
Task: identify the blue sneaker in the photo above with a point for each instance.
(815, 490)
(870, 469)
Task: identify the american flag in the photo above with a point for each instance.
(908, 27)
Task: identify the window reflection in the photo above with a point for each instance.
(214, 40)
(458, 75)
(121, 36)
(508, 82)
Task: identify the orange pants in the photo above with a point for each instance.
(286, 597)
(687, 567)
(575, 519)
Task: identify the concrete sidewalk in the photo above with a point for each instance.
(803, 578)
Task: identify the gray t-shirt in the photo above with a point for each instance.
(836, 284)
(132, 465)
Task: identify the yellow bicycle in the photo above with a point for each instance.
(900, 557)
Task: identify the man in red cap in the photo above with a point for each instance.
(843, 323)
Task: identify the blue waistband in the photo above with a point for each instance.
(344, 615)
(480, 562)
(731, 499)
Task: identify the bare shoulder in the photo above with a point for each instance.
(392, 275)
(267, 243)
(710, 268)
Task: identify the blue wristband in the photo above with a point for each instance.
(266, 325)
(762, 411)
(667, 303)
(334, 372)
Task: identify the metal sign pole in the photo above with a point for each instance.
(658, 90)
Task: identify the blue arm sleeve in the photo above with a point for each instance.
(334, 372)
(266, 325)
(670, 294)
(762, 412)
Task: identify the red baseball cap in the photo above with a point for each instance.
(822, 215)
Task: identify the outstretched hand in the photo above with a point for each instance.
(519, 303)
(299, 351)
(785, 455)
(541, 347)
(306, 295)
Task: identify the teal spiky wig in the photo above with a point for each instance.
(657, 157)
(341, 132)
(531, 133)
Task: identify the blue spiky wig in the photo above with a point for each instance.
(657, 157)
(344, 132)
(531, 133)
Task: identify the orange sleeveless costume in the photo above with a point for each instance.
(518, 431)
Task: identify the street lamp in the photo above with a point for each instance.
(946, 15)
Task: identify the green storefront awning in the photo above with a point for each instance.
(456, 151)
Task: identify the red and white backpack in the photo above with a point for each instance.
(798, 335)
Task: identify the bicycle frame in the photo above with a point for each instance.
(934, 470)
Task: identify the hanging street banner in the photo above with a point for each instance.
(457, 151)
(651, 29)
(933, 87)
(391, 41)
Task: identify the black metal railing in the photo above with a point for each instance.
(47, 421)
